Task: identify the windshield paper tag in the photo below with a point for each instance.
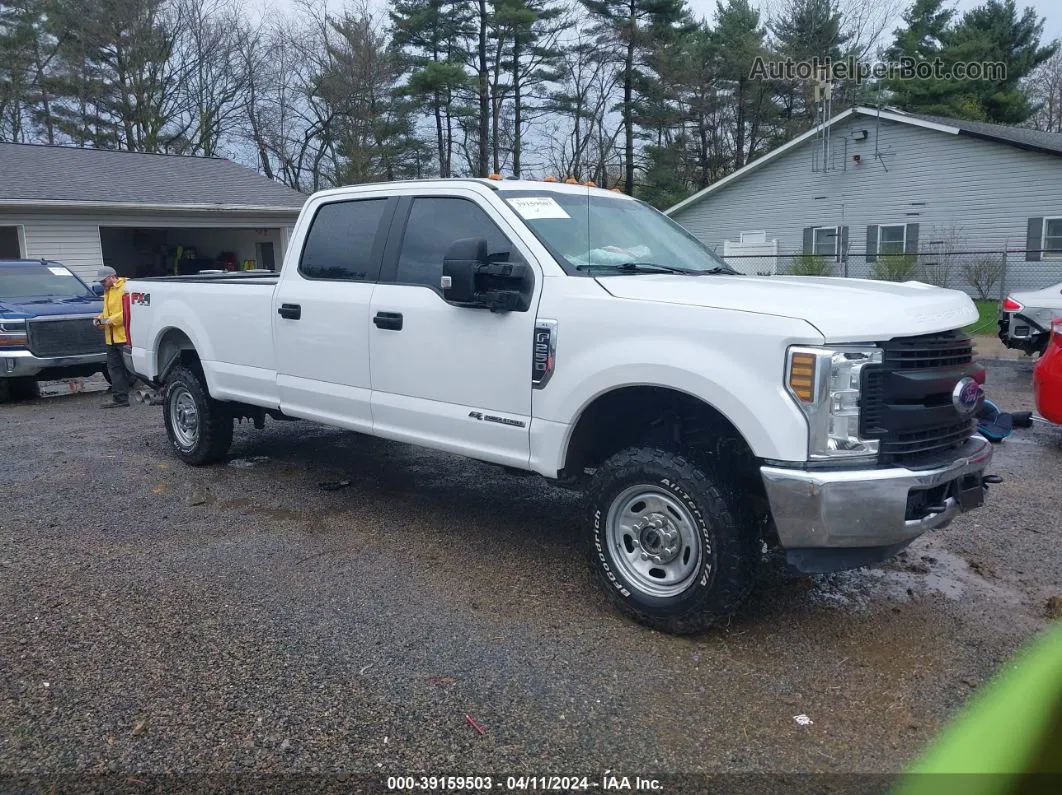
(60, 271)
(532, 207)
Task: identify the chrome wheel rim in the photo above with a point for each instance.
(184, 417)
(654, 540)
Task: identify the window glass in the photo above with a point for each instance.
(34, 280)
(340, 242)
(1053, 237)
(891, 239)
(593, 231)
(434, 225)
(826, 241)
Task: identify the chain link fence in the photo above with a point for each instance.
(983, 275)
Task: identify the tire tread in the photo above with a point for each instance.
(215, 426)
(737, 542)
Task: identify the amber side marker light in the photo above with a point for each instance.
(802, 376)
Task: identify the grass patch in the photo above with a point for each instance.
(987, 322)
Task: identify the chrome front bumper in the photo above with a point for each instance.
(19, 363)
(868, 508)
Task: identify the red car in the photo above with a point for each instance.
(1047, 377)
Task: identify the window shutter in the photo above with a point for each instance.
(842, 251)
(912, 240)
(1034, 239)
(809, 240)
(872, 244)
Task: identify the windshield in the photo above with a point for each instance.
(33, 280)
(593, 231)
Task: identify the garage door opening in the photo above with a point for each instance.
(168, 251)
(10, 245)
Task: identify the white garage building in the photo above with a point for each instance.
(144, 215)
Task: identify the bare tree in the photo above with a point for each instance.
(215, 81)
(1045, 90)
(941, 253)
(582, 139)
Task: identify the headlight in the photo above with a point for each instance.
(824, 382)
(13, 334)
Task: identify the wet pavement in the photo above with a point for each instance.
(434, 616)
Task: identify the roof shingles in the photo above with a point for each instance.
(66, 174)
(1019, 136)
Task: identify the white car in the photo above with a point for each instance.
(579, 334)
(1025, 318)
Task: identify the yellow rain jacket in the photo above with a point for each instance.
(113, 315)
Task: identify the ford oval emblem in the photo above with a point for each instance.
(966, 396)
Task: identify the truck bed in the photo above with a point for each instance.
(228, 317)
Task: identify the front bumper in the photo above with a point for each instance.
(22, 363)
(879, 509)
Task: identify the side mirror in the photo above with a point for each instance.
(470, 278)
(97, 288)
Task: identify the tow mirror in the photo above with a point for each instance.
(473, 278)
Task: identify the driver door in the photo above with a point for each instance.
(454, 378)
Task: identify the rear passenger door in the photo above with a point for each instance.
(321, 314)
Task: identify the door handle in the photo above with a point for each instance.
(389, 320)
(290, 311)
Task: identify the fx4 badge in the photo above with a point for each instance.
(140, 298)
(479, 415)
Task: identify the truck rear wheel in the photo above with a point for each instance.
(668, 542)
(199, 427)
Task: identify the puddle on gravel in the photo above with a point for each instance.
(927, 570)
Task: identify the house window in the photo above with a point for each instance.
(1052, 242)
(824, 242)
(892, 239)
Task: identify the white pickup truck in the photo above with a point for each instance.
(580, 334)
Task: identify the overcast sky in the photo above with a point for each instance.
(1051, 10)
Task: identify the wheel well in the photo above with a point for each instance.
(649, 415)
(176, 348)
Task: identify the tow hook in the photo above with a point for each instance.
(990, 479)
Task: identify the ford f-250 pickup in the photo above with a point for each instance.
(577, 333)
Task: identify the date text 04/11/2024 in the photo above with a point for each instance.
(522, 783)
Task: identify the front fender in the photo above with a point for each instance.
(762, 411)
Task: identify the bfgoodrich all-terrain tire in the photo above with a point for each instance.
(199, 427)
(668, 541)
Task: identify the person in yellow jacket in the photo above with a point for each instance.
(112, 321)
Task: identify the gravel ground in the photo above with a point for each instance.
(159, 619)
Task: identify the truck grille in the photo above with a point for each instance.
(906, 400)
(65, 337)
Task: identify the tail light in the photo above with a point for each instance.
(126, 306)
(1010, 305)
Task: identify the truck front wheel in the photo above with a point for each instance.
(199, 427)
(668, 541)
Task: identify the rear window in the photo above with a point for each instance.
(35, 281)
(340, 242)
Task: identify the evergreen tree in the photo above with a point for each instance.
(430, 34)
(633, 26)
(807, 30)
